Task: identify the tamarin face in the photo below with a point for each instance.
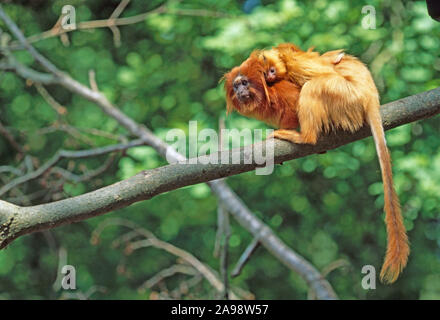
(274, 67)
(245, 87)
(275, 59)
(242, 88)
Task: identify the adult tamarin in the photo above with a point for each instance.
(335, 93)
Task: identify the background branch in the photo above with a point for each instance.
(68, 154)
(114, 21)
(150, 240)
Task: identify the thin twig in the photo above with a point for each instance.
(185, 285)
(112, 23)
(224, 253)
(340, 263)
(27, 198)
(17, 33)
(93, 131)
(152, 240)
(220, 212)
(11, 169)
(83, 177)
(61, 110)
(187, 257)
(166, 273)
(10, 138)
(68, 154)
(251, 248)
(75, 133)
(92, 80)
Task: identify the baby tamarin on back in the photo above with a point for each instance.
(336, 92)
(282, 62)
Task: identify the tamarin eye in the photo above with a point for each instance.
(272, 70)
(244, 82)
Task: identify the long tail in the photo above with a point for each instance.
(397, 248)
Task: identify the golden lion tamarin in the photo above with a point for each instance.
(336, 92)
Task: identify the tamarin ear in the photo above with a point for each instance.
(229, 108)
(223, 78)
(227, 86)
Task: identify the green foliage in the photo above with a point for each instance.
(165, 73)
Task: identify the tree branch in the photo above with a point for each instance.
(16, 221)
(17, 33)
(114, 21)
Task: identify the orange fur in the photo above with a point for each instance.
(336, 92)
(276, 67)
(275, 105)
(344, 96)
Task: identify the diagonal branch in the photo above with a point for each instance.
(16, 221)
(17, 33)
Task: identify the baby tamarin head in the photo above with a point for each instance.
(245, 87)
(274, 67)
(273, 61)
